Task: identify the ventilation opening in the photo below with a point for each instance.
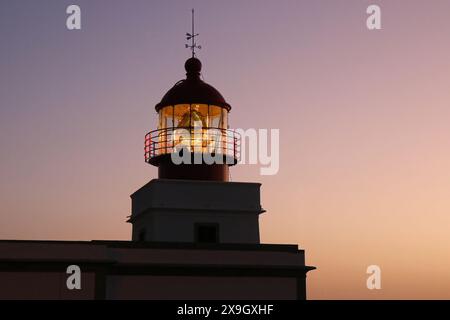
(206, 233)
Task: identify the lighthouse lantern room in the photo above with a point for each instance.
(193, 119)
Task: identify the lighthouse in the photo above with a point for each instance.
(193, 204)
(195, 233)
(194, 201)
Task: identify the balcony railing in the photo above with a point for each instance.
(205, 140)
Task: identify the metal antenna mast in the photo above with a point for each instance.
(191, 36)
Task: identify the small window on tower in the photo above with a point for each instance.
(142, 235)
(206, 233)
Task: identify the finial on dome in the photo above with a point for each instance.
(193, 68)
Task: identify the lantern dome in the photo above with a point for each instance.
(193, 90)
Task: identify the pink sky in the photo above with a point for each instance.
(363, 116)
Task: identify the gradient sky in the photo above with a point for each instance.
(363, 116)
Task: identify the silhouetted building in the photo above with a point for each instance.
(195, 235)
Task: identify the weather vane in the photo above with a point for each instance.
(191, 36)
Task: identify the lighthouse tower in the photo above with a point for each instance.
(193, 200)
(195, 232)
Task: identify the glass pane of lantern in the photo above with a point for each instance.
(224, 118)
(182, 116)
(215, 117)
(199, 115)
(167, 117)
